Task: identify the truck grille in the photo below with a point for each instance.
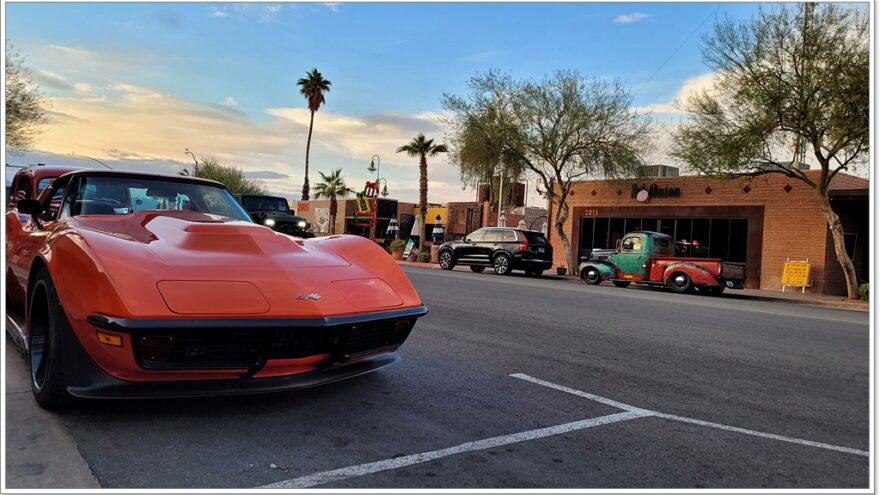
(240, 348)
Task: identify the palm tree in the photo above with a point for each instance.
(312, 87)
(422, 148)
(332, 186)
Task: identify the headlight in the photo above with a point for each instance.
(301, 224)
(268, 222)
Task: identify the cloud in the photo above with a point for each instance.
(631, 17)
(230, 101)
(334, 6)
(52, 80)
(690, 87)
(266, 174)
(218, 12)
(273, 8)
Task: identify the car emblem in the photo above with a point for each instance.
(305, 297)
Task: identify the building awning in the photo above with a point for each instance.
(848, 194)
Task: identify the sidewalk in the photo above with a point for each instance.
(791, 297)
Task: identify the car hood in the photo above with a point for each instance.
(189, 263)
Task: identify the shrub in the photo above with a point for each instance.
(424, 258)
(863, 292)
(397, 244)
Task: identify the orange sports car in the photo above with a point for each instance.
(138, 285)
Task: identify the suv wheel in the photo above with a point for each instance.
(502, 264)
(446, 261)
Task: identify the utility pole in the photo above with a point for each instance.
(500, 194)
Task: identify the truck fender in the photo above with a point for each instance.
(605, 269)
(698, 274)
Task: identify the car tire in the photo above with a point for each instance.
(680, 282)
(477, 268)
(447, 262)
(623, 284)
(591, 276)
(501, 264)
(46, 324)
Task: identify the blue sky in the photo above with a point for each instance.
(136, 83)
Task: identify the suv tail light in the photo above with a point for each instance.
(523, 246)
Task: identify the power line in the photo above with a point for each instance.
(675, 52)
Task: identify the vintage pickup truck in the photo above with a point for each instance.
(648, 258)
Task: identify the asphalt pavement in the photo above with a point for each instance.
(513, 382)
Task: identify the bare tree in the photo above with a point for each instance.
(25, 108)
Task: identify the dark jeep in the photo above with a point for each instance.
(273, 212)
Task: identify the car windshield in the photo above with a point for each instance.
(265, 203)
(125, 195)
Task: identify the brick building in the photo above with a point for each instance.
(760, 221)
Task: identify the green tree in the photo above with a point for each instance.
(332, 186)
(312, 87)
(422, 148)
(25, 110)
(792, 79)
(230, 175)
(560, 129)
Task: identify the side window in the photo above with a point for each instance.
(632, 244)
(509, 236)
(54, 205)
(68, 202)
(23, 189)
(492, 236)
(43, 184)
(476, 235)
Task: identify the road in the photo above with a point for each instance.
(513, 382)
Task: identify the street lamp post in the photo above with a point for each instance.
(375, 164)
(196, 167)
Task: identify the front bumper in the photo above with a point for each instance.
(334, 358)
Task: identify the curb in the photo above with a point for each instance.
(843, 304)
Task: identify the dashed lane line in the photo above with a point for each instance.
(683, 419)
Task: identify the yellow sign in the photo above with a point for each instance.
(796, 273)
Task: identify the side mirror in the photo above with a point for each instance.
(29, 207)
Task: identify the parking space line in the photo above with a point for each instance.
(487, 443)
(683, 419)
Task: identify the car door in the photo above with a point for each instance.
(630, 259)
(466, 251)
(488, 245)
(24, 240)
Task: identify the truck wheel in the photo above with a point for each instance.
(501, 264)
(620, 283)
(477, 268)
(46, 322)
(680, 282)
(591, 276)
(446, 261)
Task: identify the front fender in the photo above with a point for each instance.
(605, 269)
(698, 274)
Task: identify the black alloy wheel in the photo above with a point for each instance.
(46, 322)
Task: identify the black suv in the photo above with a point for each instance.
(273, 212)
(501, 248)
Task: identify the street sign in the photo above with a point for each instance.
(796, 274)
(408, 249)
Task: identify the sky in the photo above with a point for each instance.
(136, 84)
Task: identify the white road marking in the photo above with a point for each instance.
(487, 443)
(683, 419)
